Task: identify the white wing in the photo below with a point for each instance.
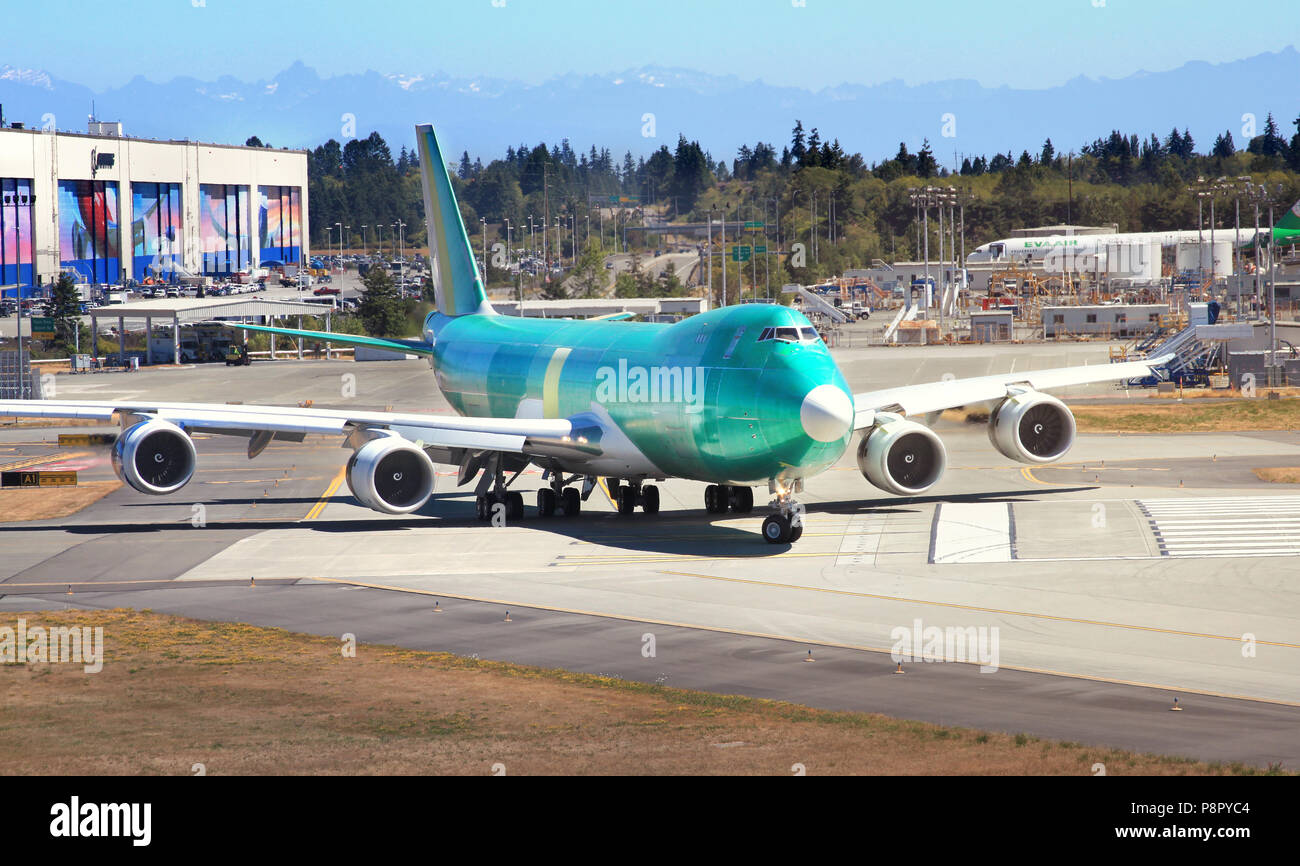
(937, 396)
(443, 431)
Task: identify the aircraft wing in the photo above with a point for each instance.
(948, 394)
(415, 347)
(517, 435)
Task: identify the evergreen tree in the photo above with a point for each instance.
(381, 310)
(64, 307)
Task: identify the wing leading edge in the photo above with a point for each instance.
(949, 394)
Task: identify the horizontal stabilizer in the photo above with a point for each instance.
(416, 347)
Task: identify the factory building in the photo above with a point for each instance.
(113, 209)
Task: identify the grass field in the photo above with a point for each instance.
(1279, 474)
(45, 503)
(1189, 416)
(244, 700)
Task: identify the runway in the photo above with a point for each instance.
(1143, 568)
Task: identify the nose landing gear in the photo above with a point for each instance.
(785, 524)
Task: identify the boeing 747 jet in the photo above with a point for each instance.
(737, 398)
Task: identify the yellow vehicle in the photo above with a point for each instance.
(236, 355)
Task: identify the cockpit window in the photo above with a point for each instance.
(807, 334)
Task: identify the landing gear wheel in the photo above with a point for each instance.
(546, 502)
(796, 532)
(776, 529)
(742, 499)
(716, 498)
(481, 509)
(650, 499)
(626, 499)
(514, 506)
(570, 502)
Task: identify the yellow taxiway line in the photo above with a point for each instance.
(325, 497)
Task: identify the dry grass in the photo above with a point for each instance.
(1186, 417)
(44, 503)
(1279, 474)
(247, 700)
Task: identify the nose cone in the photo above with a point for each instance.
(826, 413)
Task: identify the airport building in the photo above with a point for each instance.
(114, 209)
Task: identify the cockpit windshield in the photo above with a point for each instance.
(790, 334)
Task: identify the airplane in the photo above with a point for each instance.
(1077, 250)
(736, 397)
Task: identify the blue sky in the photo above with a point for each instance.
(824, 42)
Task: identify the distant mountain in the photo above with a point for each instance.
(298, 108)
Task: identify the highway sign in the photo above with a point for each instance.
(761, 248)
(753, 225)
(42, 328)
(740, 254)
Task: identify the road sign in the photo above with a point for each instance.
(761, 248)
(740, 254)
(34, 478)
(753, 225)
(42, 328)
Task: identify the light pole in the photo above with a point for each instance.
(339, 226)
(399, 228)
(365, 246)
(483, 222)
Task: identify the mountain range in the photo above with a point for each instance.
(300, 108)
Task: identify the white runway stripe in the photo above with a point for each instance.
(1225, 526)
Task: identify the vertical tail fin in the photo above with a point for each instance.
(1290, 220)
(457, 287)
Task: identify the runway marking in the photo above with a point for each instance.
(797, 640)
(38, 461)
(325, 497)
(1246, 526)
(976, 608)
(972, 532)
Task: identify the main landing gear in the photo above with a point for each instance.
(785, 524)
(560, 497)
(719, 498)
(628, 496)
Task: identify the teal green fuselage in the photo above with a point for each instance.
(701, 398)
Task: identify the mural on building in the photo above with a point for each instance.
(157, 247)
(15, 232)
(88, 230)
(223, 228)
(280, 224)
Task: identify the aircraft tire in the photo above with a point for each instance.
(742, 499)
(546, 502)
(776, 529)
(571, 502)
(514, 505)
(650, 499)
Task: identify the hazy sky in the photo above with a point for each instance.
(819, 43)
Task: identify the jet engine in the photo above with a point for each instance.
(901, 456)
(154, 457)
(1031, 427)
(391, 474)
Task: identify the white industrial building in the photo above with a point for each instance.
(112, 208)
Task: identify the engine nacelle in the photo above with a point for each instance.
(390, 474)
(1031, 427)
(902, 457)
(154, 457)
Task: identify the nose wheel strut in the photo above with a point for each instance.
(785, 524)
